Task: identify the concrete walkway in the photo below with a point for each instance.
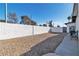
(68, 47)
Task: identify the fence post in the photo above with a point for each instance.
(32, 30)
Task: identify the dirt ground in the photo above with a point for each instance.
(31, 45)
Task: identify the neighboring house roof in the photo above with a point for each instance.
(74, 14)
(69, 23)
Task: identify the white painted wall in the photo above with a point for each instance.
(57, 29)
(8, 30)
(77, 25)
(41, 29)
(69, 25)
(14, 30)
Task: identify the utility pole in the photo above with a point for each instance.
(6, 12)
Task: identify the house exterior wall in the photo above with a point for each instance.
(77, 25)
(8, 30)
(69, 25)
(75, 9)
(57, 29)
(77, 21)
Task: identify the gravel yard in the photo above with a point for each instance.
(31, 45)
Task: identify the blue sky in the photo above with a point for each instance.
(41, 12)
(2, 11)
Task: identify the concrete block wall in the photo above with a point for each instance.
(57, 29)
(8, 30)
(41, 29)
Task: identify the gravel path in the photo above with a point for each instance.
(30, 45)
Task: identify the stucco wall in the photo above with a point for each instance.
(8, 30)
(69, 25)
(57, 29)
(77, 25)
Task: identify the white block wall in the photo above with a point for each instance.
(77, 25)
(8, 30)
(57, 29)
(41, 29)
(14, 30)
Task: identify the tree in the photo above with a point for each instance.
(2, 20)
(40, 25)
(33, 22)
(68, 18)
(58, 25)
(12, 18)
(27, 20)
(50, 23)
(44, 25)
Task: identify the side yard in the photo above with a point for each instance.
(31, 45)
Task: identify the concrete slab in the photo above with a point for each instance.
(50, 54)
(68, 47)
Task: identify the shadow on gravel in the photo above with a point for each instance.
(49, 45)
